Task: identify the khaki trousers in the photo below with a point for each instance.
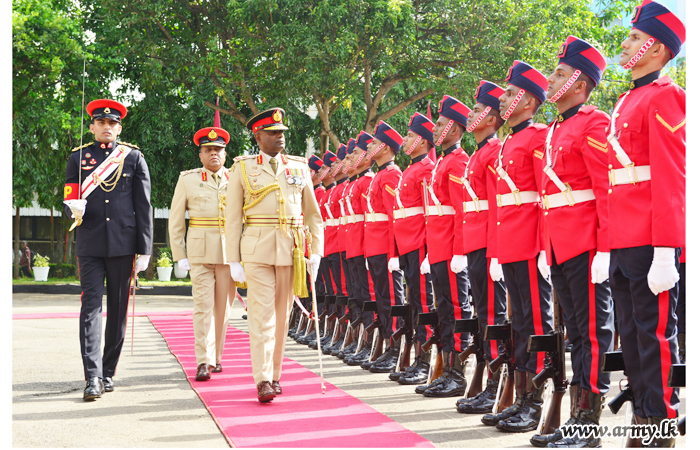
(211, 284)
(270, 296)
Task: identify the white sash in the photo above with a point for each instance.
(612, 138)
(548, 170)
(104, 170)
(432, 180)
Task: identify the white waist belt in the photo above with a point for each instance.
(629, 175)
(476, 206)
(517, 198)
(343, 220)
(358, 218)
(332, 222)
(441, 210)
(569, 198)
(405, 213)
(376, 217)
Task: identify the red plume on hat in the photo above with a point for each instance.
(217, 116)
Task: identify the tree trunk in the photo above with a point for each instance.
(53, 239)
(15, 269)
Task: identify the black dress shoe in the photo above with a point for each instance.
(526, 419)
(419, 375)
(216, 369)
(361, 356)
(452, 385)
(94, 388)
(108, 383)
(202, 372)
(481, 403)
(387, 365)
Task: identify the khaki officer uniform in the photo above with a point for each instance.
(261, 237)
(202, 194)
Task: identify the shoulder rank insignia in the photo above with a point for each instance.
(242, 157)
(284, 159)
(82, 146)
(128, 144)
(297, 158)
(186, 172)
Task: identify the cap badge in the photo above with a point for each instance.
(562, 50)
(212, 134)
(107, 110)
(277, 116)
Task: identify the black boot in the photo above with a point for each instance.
(490, 376)
(394, 376)
(528, 417)
(453, 383)
(483, 402)
(541, 440)
(380, 349)
(520, 383)
(419, 375)
(660, 442)
(590, 409)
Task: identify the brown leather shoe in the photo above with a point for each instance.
(202, 373)
(215, 369)
(276, 387)
(265, 392)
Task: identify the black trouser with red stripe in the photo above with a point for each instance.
(588, 316)
(339, 270)
(93, 272)
(647, 324)
(326, 281)
(489, 298)
(531, 303)
(361, 286)
(420, 291)
(388, 290)
(452, 304)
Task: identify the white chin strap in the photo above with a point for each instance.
(376, 150)
(414, 145)
(566, 87)
(324, 173)
(478, 120)
(359, 158)
(513, 105)
(635, 59)
(445, 131)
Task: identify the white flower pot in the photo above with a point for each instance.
(41, 273)
(179, 273)
(164, 273)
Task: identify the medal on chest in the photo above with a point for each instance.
(295, 177)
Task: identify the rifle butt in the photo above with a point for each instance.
(553, 419)
(507, 395)
(477, 384)
(437, 371)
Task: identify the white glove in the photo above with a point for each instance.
(393, 264)
(184, 264)
(425, 266)
(662, 274)
(142, 263)
(237, 272)
(366, 264)
(496, 270)
(545, 270)
(312, 266)
(77, 207)
(458, 263)
(600, 267)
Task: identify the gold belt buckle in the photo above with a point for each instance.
(516, 197)
(476, 204)
(569, 195)
(632, 173)
(611, 177)
(545, 202)
(439, 209)
(498, 200)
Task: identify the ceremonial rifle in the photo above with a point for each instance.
(373, 329)
(475, 348)
(506, 385)
(614, 362)
(555, 367)
(405, 333)
(432, 345)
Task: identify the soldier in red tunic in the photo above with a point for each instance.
(646, 203)
(518, 240)
(411, 248)
(446, 257)
(479, 239)
(574, 199)
(380, 241)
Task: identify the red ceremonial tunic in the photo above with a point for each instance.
(357, 194)
(336, 200)
(443, 242)
(330, 233)
(651, 130)
(579, 153)
(379, 235)
(410, 231)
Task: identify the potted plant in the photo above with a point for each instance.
(164, 266)
(41, 268)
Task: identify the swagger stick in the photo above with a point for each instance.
(318, 336)
(80, 172)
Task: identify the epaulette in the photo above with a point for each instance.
(298, 158)
(242, 157)
(128, 144)
(82, 146)
(197, 170)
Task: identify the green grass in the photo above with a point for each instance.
(142, 282)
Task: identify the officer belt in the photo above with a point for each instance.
(264, 220)
(568, 198)
(629, 175)
(332, 222)
(206, 222)
(404, 213)
(441, 210)
(376, 217)
(476, 206)
(356, 218)
(517, 198)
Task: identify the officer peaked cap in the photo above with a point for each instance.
(211, 136)
(385, 133)
(524, 76)
(455, 110)
(269, 120)
(106, 109)
(660, 23)
(488, 93)
(581, 55)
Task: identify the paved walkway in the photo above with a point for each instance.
(154, 406)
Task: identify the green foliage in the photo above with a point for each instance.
(165, 258)
(40, 261)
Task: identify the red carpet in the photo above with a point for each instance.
(301, 417)
(76, 314)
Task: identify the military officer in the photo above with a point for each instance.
(478, 239)
(574, 188)
(108, 192)
(268, 194)
(646, 203)
(202, 193)
(518, 240)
